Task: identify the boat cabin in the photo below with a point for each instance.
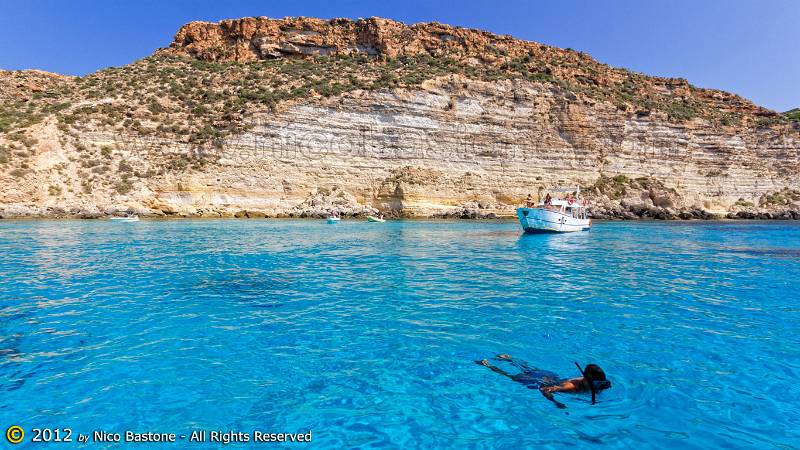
(576, 208)
(570, 205)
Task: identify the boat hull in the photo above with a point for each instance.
(540, 220)
(333, 220)
(375, 219)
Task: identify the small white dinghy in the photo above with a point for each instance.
(334, 219)
(124, 219)
(375, 219)
(556, 215)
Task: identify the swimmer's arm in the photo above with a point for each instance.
(566, 386)
(547, 392)
(572, 385)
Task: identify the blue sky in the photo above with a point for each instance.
(748, 47)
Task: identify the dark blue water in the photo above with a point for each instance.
(365, 334)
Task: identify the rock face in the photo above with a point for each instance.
(451, 145)
(261, 38)
(257, 38)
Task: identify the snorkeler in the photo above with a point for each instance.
(593, 379)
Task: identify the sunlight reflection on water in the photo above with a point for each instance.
(366, 333)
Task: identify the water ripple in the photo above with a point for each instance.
(365, 334)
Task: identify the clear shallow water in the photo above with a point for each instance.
(365, 334)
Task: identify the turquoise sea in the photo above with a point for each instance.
(365, 334)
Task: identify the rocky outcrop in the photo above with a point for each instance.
(257, 38)
(261, 38)
(452, 141)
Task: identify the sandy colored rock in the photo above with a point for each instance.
(454, 143)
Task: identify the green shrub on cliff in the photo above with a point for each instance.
(620, 180)
(614, 187)
(5, 124)
(16, 115)
(124, 166)
(793, 114)
(681, 110)
(780, 198)
(123, 187)
(620, 185)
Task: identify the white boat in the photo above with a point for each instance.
(333, 219)
(124, 219)
(556, 215)
(375, 219)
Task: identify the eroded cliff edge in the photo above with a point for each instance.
(261, 117)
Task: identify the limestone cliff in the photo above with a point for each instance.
(260, 117)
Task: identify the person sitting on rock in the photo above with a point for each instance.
(593, 379)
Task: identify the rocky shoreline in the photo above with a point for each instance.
(697, 214)
(619, 214)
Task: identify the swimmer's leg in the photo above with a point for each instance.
(493, 368)
(518, 363)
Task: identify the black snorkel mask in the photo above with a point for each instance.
(594, 385)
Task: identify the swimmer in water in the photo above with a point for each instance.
(593, 379)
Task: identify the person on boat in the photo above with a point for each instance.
(593, 379)
(381, 216)
(548, 200)
(529, 203)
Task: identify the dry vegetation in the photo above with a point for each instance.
(202, 102)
